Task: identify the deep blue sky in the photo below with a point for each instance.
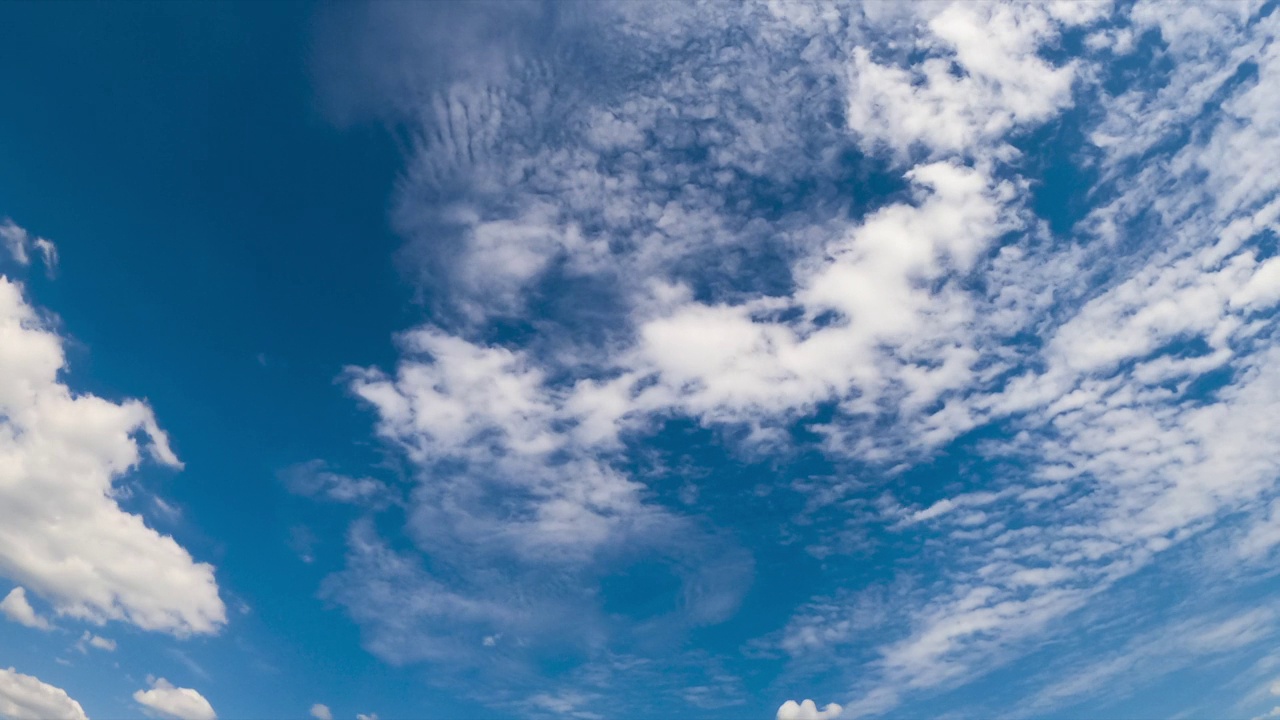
(181, 145)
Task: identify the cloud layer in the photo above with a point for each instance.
(823, 230)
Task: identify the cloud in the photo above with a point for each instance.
(174, 703)
(15, 240)
(20, 243)
(321, 712)
(1004, 83)
(314, 479)
(48, 253)
(88, 640)
(16, 608)
(1153, 653)
(23, 697)
(569, 704)
(807, 710)
(369, 716)
(62, 534)
(1127, 455)
(1108, 382)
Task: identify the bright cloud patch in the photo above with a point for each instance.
(62, 534)
(174, 703)
(808, 710)
(23, 697)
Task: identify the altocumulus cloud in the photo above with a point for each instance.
(1124, 361)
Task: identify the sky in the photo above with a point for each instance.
(532, 360)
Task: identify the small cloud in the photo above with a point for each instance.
(370, 716)
(314, 479)
(174, 703)
(48, 254)
(16, 608)
(20, 243)
(88, 640)
(169, 512)
(15, 241)
(566, 704)
(321, 712)
(808, 710)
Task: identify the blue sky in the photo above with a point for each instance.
(636, 360)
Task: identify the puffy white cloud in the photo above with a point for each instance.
(174, 703)
(16, 607)
(62, 534)
(1002, 83)
(369, 716)
(808, 710)
(321, 712)
(454, 402)
(23, 697)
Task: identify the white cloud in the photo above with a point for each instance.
(23, 697)
(1003, 83)
(454, 402)
(62, 535)
(808, 710)
(20, 243)
(15, 240)
(16, 608)
(568, 704)
(369, 716)
(314, 479)
(949, 308)
(321, 712)
(1127, 459)
(174, 703)
(88, 640)
(48, 253)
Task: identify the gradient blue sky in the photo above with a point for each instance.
(639, 360)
